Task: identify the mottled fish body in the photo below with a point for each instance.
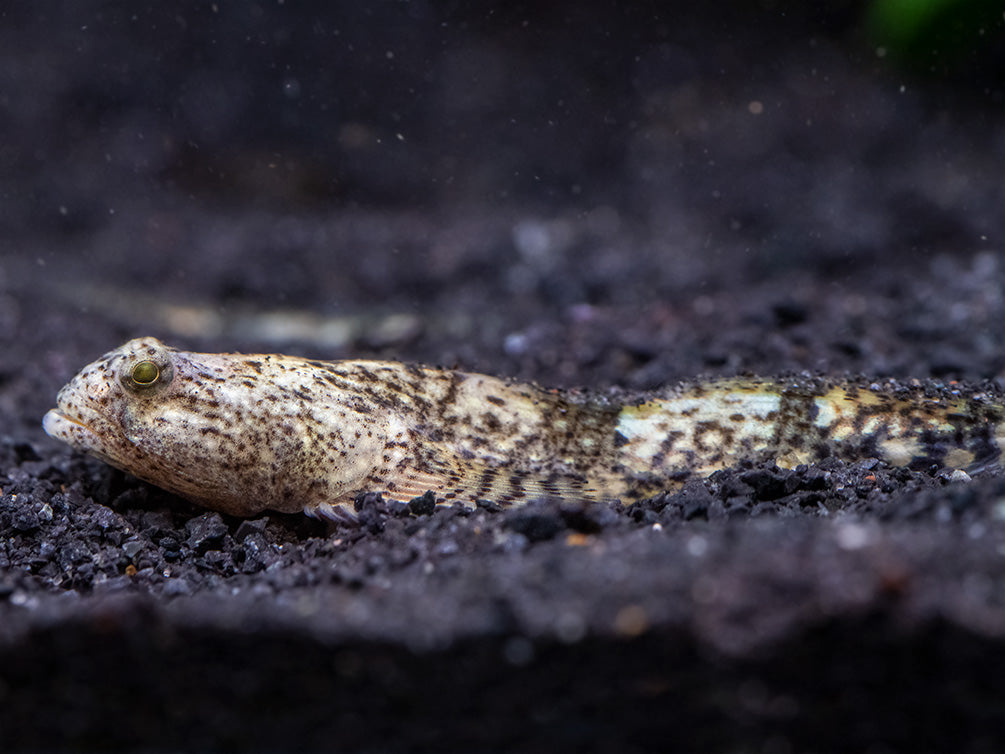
(245, 433)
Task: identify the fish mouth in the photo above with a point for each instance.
(72, 431)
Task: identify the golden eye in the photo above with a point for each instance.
(145, 373)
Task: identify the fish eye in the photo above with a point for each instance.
(145, 373)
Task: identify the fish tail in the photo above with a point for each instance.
(703, 428)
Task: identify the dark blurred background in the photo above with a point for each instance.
(424, 102)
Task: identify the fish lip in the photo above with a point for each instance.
(63, 427)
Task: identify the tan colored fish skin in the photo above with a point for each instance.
(245, 433)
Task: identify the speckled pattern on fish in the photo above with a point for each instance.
(245, 433)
